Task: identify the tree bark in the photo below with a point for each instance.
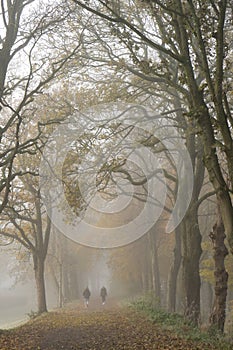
(201, 112)
(207, 294)
(218, 315)
(191, 257)
(156, 274)
(40, 283)
(174, 270)
(154, 262)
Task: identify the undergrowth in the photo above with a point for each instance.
(178, 324)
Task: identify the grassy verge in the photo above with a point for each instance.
(178, 324)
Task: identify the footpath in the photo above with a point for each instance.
(97, 327)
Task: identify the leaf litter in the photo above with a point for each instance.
(95, 328)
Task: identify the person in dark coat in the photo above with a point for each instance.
(103, 294)
(86, 295)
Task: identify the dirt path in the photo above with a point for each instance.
(95, 328)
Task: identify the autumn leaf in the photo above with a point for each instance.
(111, 328)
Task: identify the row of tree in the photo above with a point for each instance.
(174, 57)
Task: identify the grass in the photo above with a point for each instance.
(178, 324)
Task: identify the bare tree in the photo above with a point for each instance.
(189, 51)
(24, 220)
(29, 61)
(198, 50)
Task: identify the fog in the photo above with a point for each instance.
(15, 304)
(18, 292)
(16, 299)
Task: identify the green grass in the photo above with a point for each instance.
(178, 324)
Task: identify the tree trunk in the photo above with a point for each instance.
(147, 277)
(191, 236)
(191, 257)
(154, 265)
(40, 283)
(156, 274)
(207, 294)
(66, 284)
(74, 284)
(174, 270)
(143, 282)
(55, 280)
(61, 298)
(218, 315)
(146, 268)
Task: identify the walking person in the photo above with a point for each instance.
(86, 295)
(103, 294)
